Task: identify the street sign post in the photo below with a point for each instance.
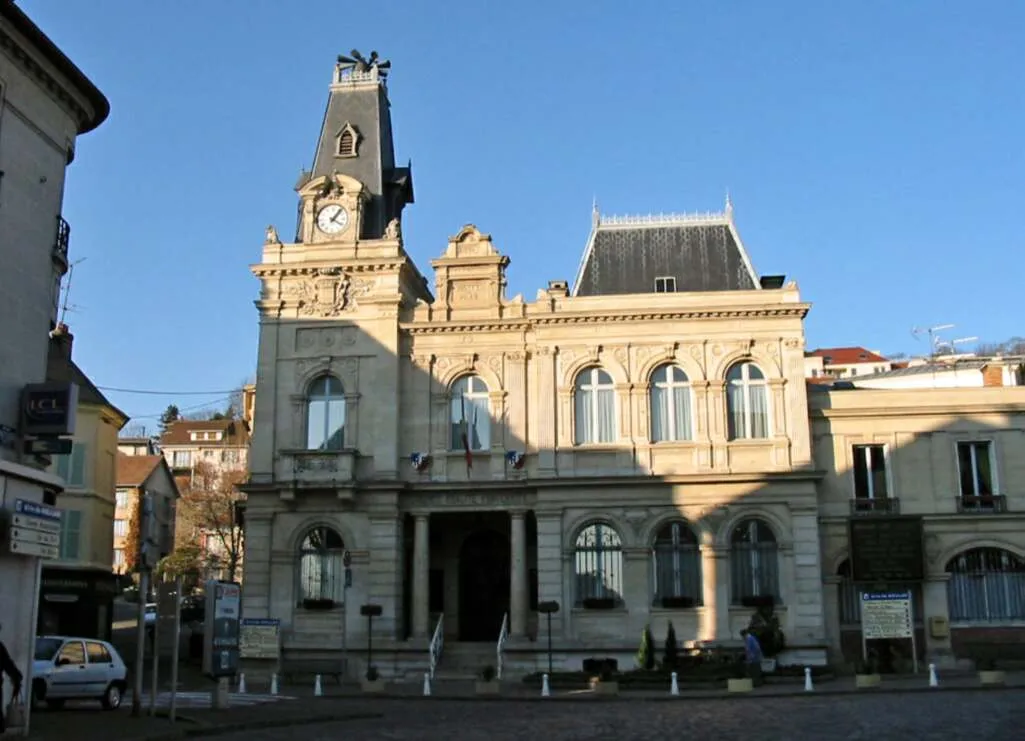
(887, 615)
(35, 530)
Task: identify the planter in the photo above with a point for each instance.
(372, 686)
(595, 603)
(605, 688)
(318, 604)
(678, 603)
(740, 685)
(990, 677)
(768, 665)
(865, 681)
(761, 600)
(486, 688)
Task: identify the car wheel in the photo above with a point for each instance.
(38, 694)
(112, 697)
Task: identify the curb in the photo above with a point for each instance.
(718, 695)
(199, 729)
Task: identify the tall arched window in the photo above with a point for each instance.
(987, 585)
(470, 414)
(598, 564)
(325, 414)
(670, 405)
(754, 561)
(676, 563)
(321, 573)
(747, 402)
(594, 402)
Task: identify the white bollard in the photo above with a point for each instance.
(274, 684)
(545, 691)
(242, 684)
(934, 681)
(674, 687)
(317, 690)
(808, 686)
(427, 684)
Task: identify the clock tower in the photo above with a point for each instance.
(354, 190)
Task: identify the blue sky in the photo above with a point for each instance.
(873, 151)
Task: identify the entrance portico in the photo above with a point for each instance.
(473, 567)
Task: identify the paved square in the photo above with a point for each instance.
(938, 716)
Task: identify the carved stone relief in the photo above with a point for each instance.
(313, 339)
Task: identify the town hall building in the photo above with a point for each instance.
(640, 446)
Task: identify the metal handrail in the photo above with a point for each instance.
(437, 644)
(502, 635)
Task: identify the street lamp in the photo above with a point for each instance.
(370, 612)
(549, 608)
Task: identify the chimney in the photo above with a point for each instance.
(63, 340)
(993, 374)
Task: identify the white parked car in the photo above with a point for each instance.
(77, 669)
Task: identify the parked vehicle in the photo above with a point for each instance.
(68, 668)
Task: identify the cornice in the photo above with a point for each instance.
(287, 270)
(918, 410)
(797, 311)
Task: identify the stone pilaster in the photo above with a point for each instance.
(518, 599)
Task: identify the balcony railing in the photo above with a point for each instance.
(988, 504)
(877, 506)
(60, 244)
(316, 468)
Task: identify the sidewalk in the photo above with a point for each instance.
(298, 706)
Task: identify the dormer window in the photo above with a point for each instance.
(348, 139)
(665, 284)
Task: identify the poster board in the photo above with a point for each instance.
(260, 638)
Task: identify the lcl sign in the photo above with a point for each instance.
(48, 409)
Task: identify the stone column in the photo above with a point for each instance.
(421, 576)
(831, 586)
(518, 578)
(715, 583)
(543, 436)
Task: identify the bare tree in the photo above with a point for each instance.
(207, 516)
(1012, 346)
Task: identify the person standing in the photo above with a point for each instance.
(752, 656)
(7, 667)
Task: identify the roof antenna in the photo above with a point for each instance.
(66, 305)
(729, 205)
(595, 214)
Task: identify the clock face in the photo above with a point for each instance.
(332, 219)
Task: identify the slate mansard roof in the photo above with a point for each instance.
(702, 252)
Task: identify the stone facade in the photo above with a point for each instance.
(475, 455)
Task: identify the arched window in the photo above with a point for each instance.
(321, 573)
(676, 563)
(754, 562)
(747, 402)
(987, 585)
(347, 141)
(594, 402)
(325, 414)
(670, 405)
(470, 414)
(598, 563)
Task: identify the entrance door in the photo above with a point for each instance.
(484, 563)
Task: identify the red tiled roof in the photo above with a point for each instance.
(133, 470)
(847, 355)
(236, 434)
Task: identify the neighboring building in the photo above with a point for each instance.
(45, 103)
(248, 404)
(139, 475)
(638, 450)
(77, 592)
(137, 446)
(220, 443)
(944, 372)
(954, 457)
(844, 362)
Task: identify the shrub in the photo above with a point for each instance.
(372, 674)
(646, 653)
(670, 655)
(487, 673)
